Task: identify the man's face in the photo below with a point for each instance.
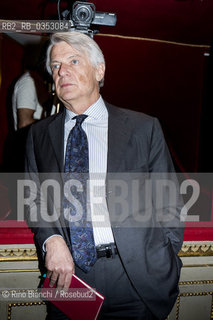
(76, 80)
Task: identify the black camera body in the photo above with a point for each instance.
(84, 15)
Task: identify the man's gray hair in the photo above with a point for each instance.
(80, 42)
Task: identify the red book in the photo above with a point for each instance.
(80, 302)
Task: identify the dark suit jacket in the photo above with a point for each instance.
(147, 246)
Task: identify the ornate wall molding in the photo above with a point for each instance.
(18, 270)
(18, 254)
(193, 294)
(195, 282)
(29, 254)
(196, 250)
(22, 304)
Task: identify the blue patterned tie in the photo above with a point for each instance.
(77, 167)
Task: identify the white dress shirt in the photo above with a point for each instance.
(96, 128)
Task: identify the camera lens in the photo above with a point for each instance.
(83, 14)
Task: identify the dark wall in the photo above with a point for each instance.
(10, 67)
(162, 79)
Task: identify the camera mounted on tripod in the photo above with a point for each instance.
(83, 16)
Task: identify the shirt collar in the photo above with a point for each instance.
(96, 111)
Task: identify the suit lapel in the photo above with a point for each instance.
(118, 136)
(56, 134)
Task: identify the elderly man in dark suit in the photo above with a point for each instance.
(131, 258)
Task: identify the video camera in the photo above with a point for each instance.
(84, 14)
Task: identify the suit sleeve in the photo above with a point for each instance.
(35, 218)
(167, 200)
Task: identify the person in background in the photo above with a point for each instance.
(32, 99)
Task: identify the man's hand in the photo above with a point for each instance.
(59, 263)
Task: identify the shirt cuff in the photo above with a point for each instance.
(44, 244)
